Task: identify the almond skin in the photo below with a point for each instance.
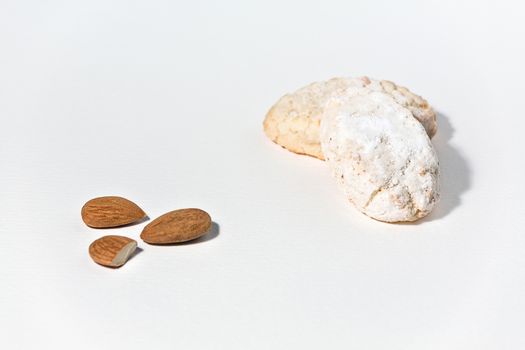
(112, 251)
(111, 211)
(177, 226)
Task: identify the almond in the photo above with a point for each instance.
(111, 211)
(177, 226)
(112, 251)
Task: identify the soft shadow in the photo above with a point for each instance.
(455, 172)
(137, 251)
(212, 233)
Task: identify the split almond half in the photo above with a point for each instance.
(112, 251)
(177, 226)
(111, 211)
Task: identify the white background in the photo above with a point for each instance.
(162, 102)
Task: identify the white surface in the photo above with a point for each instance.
(163, 103)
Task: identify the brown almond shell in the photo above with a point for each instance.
(177, 226)
(110, 211)
(112, 251)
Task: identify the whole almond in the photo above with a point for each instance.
(111, 211)
(112, 251)
(177, 226)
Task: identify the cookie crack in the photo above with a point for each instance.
(388, 184)
(372, 196)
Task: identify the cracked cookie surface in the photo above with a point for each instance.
(294, 121)
(381, 155)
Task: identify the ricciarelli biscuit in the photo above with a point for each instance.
(293, 122)
(381, 155)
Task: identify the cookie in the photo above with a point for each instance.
(293, 122)
(381, 155)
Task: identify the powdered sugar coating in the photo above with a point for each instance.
(293, 122)
(381, 155)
